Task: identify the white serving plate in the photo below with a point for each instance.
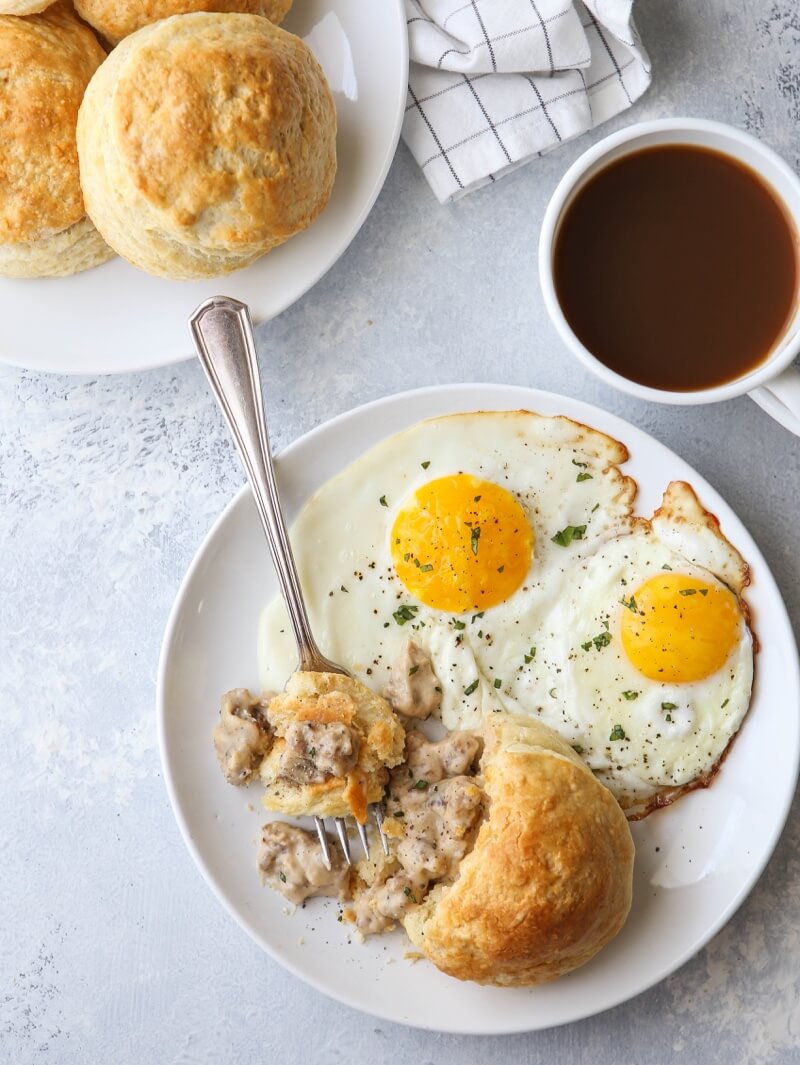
(115, 318)
(696, 861)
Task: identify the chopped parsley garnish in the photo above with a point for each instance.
(687, 591)
(313, 752)
(724, 704)
(476, 499)
(665, 566)
(565, 536)
(425, 464)
(383, 502)
(500, 569)
(577, 748)
(407, 891)
(595, 507)
(552, 693)
(476, 616)
(584, 477)
(282, 877)
(406, 556)
(344, 589)
(421, 785)
(497, 682)
(470, 688)
(426, 568)
(459, 624)
(413, 670)
(630, 696)
(629, 603)
(603, 639)
(476, 535)
(617, 733)
(703, 591)
(529, 657)
(404, 613)
(669, 706)
(582, 465)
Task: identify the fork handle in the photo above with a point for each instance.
(222, 331)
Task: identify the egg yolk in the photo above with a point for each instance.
(461, 543)
(679, 629)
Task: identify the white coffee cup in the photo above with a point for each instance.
(775, 383)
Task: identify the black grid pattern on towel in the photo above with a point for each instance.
(472, 121)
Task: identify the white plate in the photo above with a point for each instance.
(696, 861)
(115, 318)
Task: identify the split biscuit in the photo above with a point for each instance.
(549, 880)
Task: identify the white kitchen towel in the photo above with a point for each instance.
(495, 83)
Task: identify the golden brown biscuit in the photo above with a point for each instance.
(46, 61)
(115, 19)
(548, 882)
(309, 769)
(205, 140)
(23, 7)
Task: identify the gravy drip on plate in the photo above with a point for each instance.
(676, 266)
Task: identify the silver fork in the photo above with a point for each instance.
(223, 335)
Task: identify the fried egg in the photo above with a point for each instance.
(504, 545)
(459, 533)
(645, 663)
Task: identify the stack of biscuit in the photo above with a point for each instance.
(205, 138)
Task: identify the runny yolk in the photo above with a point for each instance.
(679, 629)
(461, 543)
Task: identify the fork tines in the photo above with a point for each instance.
(344, 840)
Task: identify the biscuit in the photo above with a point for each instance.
(115, 19)
(23, 7)
(205, 140)
(548, 882)
(322, 698)
(47, 61)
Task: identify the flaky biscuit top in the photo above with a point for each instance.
(46, 62)
(213, 127)
(116, 19)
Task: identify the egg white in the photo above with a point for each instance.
(561, 473)
(524, 655)
(638, 735)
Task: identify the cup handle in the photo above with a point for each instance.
(780, 398)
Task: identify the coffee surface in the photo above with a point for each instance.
(676, 266)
